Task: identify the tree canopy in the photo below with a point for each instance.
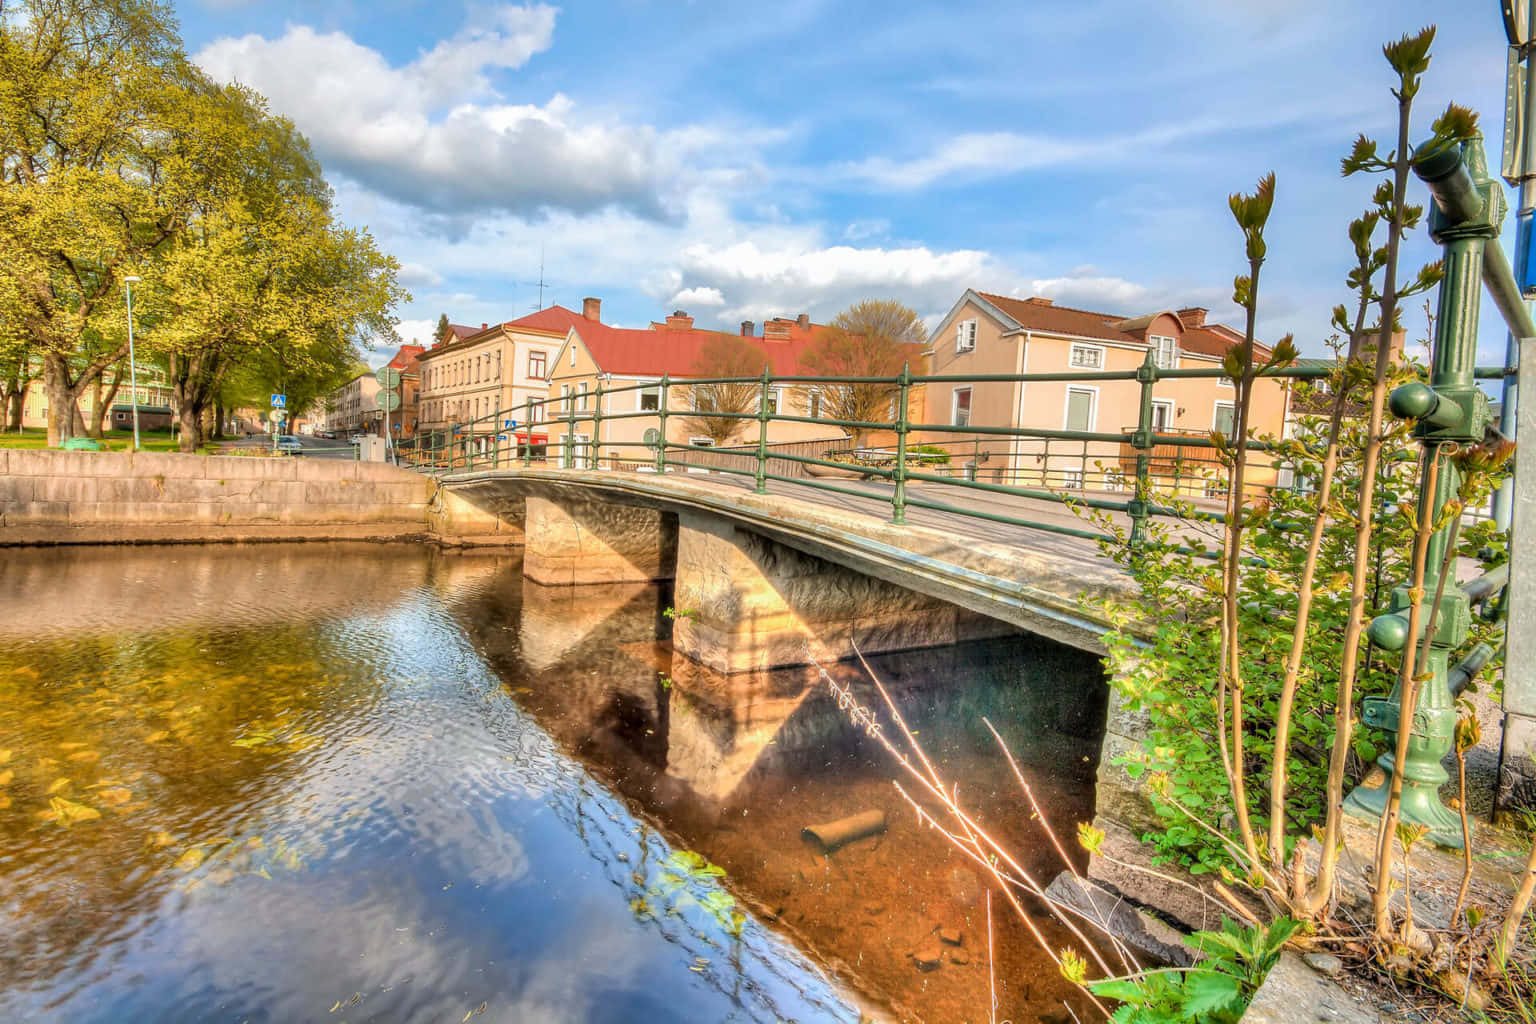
(724, 355)
(119, 158)
(871, 338)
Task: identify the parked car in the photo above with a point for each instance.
(289, 443)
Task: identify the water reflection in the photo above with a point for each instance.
(270, 783)
(735, 767)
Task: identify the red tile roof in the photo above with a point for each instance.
(654, 351)
(460, 331)
(555, 318)
(1210, 339)
(405, 359)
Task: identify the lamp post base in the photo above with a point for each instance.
(1420, 806)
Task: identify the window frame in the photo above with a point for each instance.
(954, 405)
(542, 357)
(1097, 350)
(1092, 392)
(965, 335)
(1156, 341)
(1163, 403)
(647, 390)
(1216, 417)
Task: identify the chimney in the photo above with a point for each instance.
(592, 309)
(1192, 316)
(485, 326)
(804, 321)
(747, 328)
(1038, 301)
(776, 329)
(679, 321)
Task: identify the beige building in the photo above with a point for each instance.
(594, 354)
(504, 368)
(994, 334)
(353, 407)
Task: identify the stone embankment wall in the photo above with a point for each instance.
(59, 497)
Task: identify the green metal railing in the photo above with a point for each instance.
(937, 466)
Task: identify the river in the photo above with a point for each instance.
(383, 782)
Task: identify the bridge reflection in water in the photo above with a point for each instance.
(735, 766)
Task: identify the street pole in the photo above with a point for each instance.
(1509, 400)
(133, 372)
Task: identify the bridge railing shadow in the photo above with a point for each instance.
(880, 437)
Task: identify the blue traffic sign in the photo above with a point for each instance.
(279, 401)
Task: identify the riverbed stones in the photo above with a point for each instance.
(950, 935)
(1324, 963)
(928, 956)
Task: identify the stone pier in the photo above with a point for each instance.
(747, 603)
(569, 541)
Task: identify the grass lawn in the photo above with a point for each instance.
(116, 440)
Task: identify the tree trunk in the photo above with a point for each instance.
(18, 403)
(64, 420)
(104, 401)
(218, 420)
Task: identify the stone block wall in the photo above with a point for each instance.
(99, 497)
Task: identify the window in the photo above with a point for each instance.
(581, 396)
(536, 365)
(1162, 415)
(565, 398)
(1165, 351)
(1087, 357)
(650, 398)
(813, 405)
(573, 355)
(965, 336)
(960, 410)
(1080, 408)
(1072, 479)
(1225, 420)
(1225, 382)
(535, 412)
(773, 401)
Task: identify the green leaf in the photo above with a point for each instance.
(1209, 992)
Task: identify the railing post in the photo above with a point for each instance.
(597, 428)
(496, 427)
(899, 491)
(453, 440)
(527, 433)
(568, 458)
(1143, 440)
(661, 416)
(762, 434)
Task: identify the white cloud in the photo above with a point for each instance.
(436, 135)
(415, 275)
(698, 297)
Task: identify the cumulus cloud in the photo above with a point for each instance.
(435, 134)
(1086, 287)
(698, 297)
(757, 283)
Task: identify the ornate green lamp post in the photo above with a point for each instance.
(1451, 412)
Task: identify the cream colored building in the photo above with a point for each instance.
(500, 368)
(994, 334)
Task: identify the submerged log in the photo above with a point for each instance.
(843, 831)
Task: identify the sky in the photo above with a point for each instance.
(743, 160)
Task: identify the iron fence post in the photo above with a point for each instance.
(762, 434)
(1143, 440)
(1450, 412)
(496, 438)
(899, 491)
(661, 418)
(527, 432)
(568, 457)
(597, 428)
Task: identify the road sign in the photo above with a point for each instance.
(509, 424)
(652, 438)
(388, 377)
(389, 401)
(279, 401)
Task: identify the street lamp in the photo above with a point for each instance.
(133, 371)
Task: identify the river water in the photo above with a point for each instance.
(356, 782)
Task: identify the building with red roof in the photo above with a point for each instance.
(986, 333)
(632, 363)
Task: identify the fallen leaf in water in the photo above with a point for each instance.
(68, 812)
(58, 784)
(116, 796)
(85, 756)
(264, 873)
(223, 876)
(474, 1013)
(71, 746)
(162, 839)
(523, 689)
(6, 777)
(191, 860)
(157, 736)
(5, 755)
(47, 762)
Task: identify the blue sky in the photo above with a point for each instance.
(746, 160)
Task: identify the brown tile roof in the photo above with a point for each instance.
(654, 351)
(1209, 339)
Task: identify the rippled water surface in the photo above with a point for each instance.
(286, 783)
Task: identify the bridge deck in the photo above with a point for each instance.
(1031, 577)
